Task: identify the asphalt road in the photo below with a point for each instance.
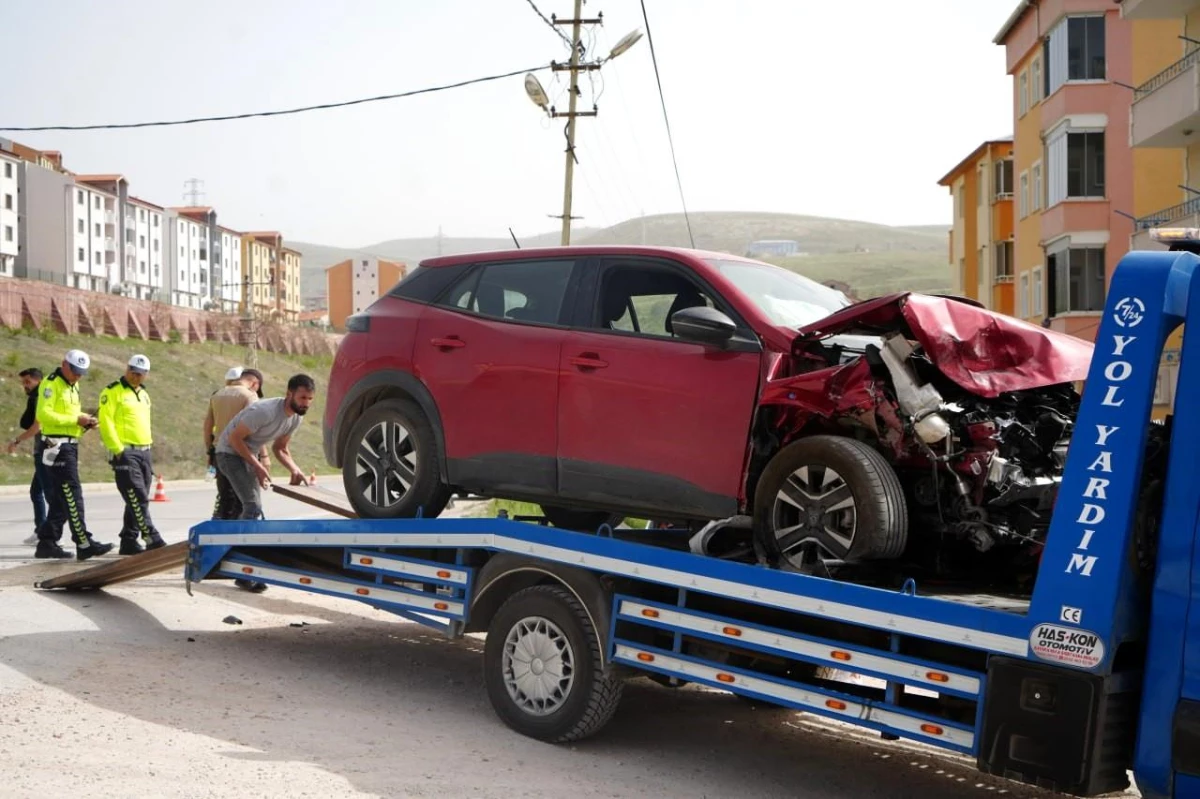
(142, 690)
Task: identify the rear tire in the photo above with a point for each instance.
(584, 521)
(392, 466)
(544, 668)
(829, 499)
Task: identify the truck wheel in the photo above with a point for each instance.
(543, 667)
(584, 521)
(829, 498)
(391, 466)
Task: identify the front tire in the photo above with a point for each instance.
(826, 500)
(392, 467)
(543, 667)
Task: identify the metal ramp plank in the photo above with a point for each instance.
(131, 567)
(317, 497)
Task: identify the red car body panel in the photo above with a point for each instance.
(985, 352)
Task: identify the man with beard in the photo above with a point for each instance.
(267, 421)
(30, 379)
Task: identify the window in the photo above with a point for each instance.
(1037, 186)
(96, 226)
(8, 171)
(1004, 261)
(980, 185)
(80, 226)
(1023, 296)
(1023, 93)
(526, 291)
(1002, 180)
(1035, 82)
(1023, 198)
(1074, 50)
(1077, 279)
(8, 233)
(1075, 162)
(142, 267)
(155, 242)
(96, 257)
(96, 203)
(142, 242)
(155, 220)
(79, 197)
(8, 202)
(1037, 301)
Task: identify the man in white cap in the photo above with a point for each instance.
(124, 418)
(62, 423)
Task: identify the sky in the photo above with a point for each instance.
(842, 109)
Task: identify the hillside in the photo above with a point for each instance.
(880, 257)
(181, 378)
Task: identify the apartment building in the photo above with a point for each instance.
(1072, 61)
(274, 275)
(228, 246)
(10, 220)
(981, 239)
(1165, 115)
(258, 284)
(189, 281)
(93, 236)
(144, 250)
(354, 284)
(290, 302)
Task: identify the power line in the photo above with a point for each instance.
(670, 140)
(550, 24)
(323, 106)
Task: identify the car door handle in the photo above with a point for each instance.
(588, 360)
(448, 343)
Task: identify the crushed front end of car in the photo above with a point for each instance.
(972, 410)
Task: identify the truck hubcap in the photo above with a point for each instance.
(814, 516)
(385, 464)
(539, 666)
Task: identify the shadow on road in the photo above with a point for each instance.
(398, 711)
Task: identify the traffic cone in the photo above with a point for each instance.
(160, 492)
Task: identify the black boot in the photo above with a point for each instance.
(50, 549)
(130, 546)
(96, 548)
(155, 542)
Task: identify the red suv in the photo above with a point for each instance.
(602, 382)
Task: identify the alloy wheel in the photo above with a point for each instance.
(814, 517)
(386, 464)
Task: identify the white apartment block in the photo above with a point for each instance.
(191, 263)
(229, 291)
(144, 249)
(94, 255)
(10, 227)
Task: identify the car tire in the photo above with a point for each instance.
(398, 431)
(544, 667)
(583, 521)
(826, 500)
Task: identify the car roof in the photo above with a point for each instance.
(576, 251)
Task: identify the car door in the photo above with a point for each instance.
(489, 351)
(648, 421)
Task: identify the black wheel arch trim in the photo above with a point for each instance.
(388, 378)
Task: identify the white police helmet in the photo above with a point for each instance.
(139, 364)
(79, 361)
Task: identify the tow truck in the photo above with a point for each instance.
(1093, 674)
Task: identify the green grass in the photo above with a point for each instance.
(530, 509)
(181, 379)
(872, 274)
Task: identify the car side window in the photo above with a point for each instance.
(641, 300)
(520, 291)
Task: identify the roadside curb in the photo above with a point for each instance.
(111, 488)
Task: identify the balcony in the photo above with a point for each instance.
(110, 245)
(1183, 215)
(1166, 108)
(1157, 9)
(110, 218)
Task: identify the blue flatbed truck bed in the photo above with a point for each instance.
(1094, 674)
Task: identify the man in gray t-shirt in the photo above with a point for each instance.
(269, 421)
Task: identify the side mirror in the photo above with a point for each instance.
(703, 324)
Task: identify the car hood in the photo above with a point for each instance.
(985, 352)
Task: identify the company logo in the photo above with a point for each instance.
(1068, 646)
(1129, 312)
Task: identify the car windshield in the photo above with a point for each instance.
(786, 298)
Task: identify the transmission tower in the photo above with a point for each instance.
(192, 193)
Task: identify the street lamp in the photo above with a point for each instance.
(533, 87)
(627, 41)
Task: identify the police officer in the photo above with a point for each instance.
(62, 423)
(125, 430)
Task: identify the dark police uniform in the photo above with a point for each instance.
(58, 411)
(125, 430)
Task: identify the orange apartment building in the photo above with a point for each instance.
(354, 284)
(981, 240)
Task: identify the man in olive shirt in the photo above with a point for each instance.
(124, 417)
(62, 424)
(243, 387)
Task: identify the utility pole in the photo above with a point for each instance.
(538, 95)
